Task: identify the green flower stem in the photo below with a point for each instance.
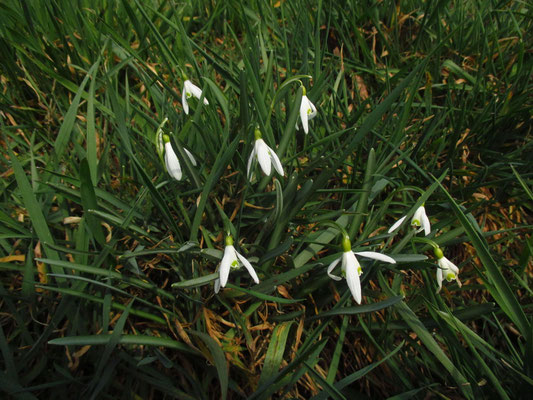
(427, 241)
(362, 203)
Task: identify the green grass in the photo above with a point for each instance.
(108, 264)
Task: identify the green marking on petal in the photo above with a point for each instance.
(234, 264)
(415, 222)
(309, 111)
(450, 276)
(188, 94)
(359, 270)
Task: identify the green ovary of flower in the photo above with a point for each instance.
(346, 244)
(438, 253)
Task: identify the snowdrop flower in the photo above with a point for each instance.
(307, 111)
(351, 269)
(190, 89)
(265, 155)
(446, 270)
(171, 160)
(230, 261)
(419, 222)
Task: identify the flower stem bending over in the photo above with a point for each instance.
(351, 269)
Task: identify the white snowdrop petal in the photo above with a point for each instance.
(225, 264)
(303, 114)
(184, 99)
(396, 224)
(451, 266)
(331, 268)
(351, 267)
(249, 267)
(313, 110)
(195, 90)
(191, 157)
(172, 163)
(249, 166)
(277, 163)
(376, 256)
(263, 156)
(426, 224)
(439, 279)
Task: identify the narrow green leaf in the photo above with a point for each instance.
(360, 309)
(219, 360)
(138, 340)
(275, 351)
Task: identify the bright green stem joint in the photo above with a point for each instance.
(346, 244)
(229, 240)
(257, 134)
(438, 252)
(166, 139)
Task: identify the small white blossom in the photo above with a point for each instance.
(419, 222)
(265, 155)
(446, 270)
(307, 112)
(171, 160)
(351, 269)
(230, 261)
(189, 90)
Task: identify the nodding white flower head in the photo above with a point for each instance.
(232, 260)
(189, 90)
(351, 269)
(446, 270)
(307, 111)
(419, 222)
(265, 155)
(171, 160)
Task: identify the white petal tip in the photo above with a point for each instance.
(376, 256)
(396, 225)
